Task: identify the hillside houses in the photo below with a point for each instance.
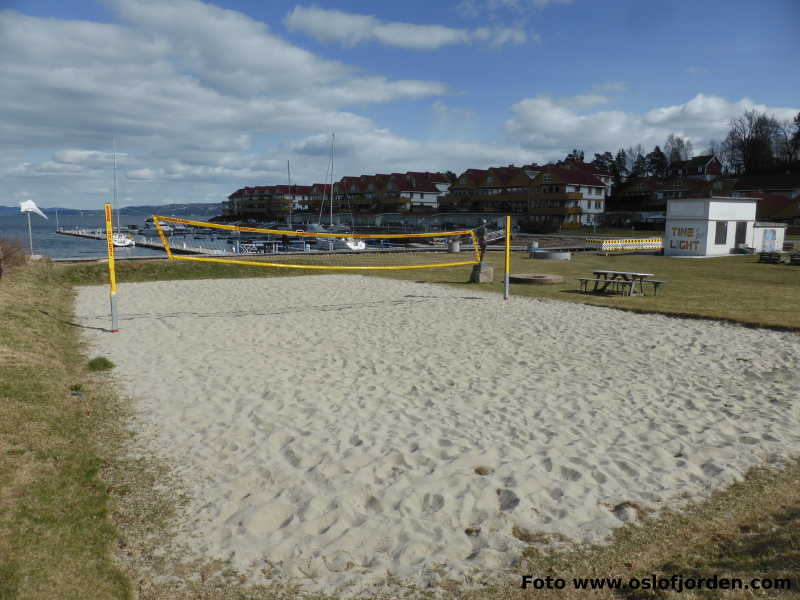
(566, 194)
(706, 167)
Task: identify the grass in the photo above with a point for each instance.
(100, 363)
(71, 500)
(55, 535)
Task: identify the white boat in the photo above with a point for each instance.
(122, 240)
(337, 243)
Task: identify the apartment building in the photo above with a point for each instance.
(548, 194)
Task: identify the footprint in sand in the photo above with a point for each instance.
(508, 500)
(432, 503)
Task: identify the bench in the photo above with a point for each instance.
(773, 258)
(656, 284)
(583, 282)
(794, 259)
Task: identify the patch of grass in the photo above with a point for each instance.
(54, 532)
(100, 363)
(12, 255)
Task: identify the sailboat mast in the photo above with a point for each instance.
(291, 199)
(114, 205)
(333, 151)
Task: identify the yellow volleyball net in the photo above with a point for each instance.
(201, 241)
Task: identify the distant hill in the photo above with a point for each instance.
(211, 209)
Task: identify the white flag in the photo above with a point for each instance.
(30, 206)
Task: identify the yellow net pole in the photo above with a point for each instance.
(162, 236)
(507, 265)
(112, 276)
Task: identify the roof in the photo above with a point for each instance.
(475, 176)
(697, 161)
(769, 181)
(575, 176)
(770, 205)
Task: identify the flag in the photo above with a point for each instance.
(30, 206)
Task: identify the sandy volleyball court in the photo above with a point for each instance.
(338, 428)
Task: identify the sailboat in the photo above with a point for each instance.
(338, 243)
(118, 238)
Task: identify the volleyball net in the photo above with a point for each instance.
(201, 241)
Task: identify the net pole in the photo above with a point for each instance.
(507, 265)
(112, 276)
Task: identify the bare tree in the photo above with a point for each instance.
(751, 143)
(677, 148)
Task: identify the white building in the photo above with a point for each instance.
(716, 226)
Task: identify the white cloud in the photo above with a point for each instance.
(541, 124)
(380, 151)
(696, 70)
(188, 89)
(352, 29)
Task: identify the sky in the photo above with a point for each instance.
(202, 98)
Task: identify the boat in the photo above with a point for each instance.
(121, 240)
(337, 243)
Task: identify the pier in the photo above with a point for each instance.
(143, 241)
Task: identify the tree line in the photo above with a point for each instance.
(755, 143)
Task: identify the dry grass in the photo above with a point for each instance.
(59, 521)
(54, 532)
(12, 255)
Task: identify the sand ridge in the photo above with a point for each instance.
(338, 427)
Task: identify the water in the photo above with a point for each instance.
(47, 242)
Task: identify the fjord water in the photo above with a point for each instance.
(48, 243)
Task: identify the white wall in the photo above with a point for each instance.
(768, 238)
(691, 209)
(686, 237)
(732, 211)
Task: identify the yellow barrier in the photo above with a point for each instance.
(157, 223)
(627, 244)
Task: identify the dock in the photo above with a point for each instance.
(143, 242)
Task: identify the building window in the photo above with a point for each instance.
(721, 236)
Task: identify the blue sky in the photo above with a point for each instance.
(205, 97)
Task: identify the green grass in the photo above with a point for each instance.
(100, 363)
(55, 535)
(68, 495)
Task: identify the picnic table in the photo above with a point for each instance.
(628, 282)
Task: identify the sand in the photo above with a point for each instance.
(339, 428)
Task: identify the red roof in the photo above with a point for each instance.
(575, 176)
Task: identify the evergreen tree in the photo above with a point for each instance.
(657, 163)
(639, 168)
(575, 156)
(604, 161)
(620, 166)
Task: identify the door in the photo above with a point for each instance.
(741, 233)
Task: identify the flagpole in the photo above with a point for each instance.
(30, 235)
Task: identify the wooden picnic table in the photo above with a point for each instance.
(603, 279)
